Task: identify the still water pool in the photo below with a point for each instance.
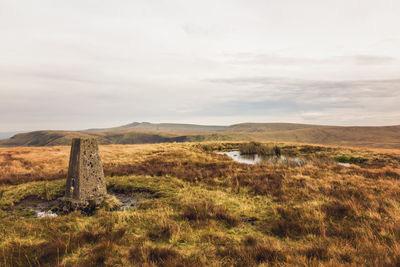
(255, 158)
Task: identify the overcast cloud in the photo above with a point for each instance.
(79, 64)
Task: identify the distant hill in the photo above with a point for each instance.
(140, 133)
(267, 127)
(57, 138)
(378, 137)
(42, 138)
(163, 127)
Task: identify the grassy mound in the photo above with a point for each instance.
(260, 149)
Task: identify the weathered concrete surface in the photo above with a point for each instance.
(85, 180)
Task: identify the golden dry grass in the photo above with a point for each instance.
(22, 164)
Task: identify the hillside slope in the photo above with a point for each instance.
(57, 138)
(268, 127)
(163, 127)
(42, 138)
(379, 137)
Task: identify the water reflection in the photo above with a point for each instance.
(255, 158)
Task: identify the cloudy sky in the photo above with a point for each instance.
(79, 64)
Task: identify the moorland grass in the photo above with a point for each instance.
(198, 208)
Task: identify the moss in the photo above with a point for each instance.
(26, 213)
(43, 190)
(350, 159)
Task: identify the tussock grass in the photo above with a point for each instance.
(250, 253)
(205, 210)
(260, 149)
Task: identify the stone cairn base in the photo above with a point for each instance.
(67, 205)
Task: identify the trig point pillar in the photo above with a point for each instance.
(85, 180)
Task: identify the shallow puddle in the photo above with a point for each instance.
(127, 201)
(40, 208)
(255, 158)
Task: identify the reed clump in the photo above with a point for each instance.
(260, 149)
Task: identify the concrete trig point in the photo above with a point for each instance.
(85, 180)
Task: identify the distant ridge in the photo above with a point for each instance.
(268, 127)
(163, 127)
(361, 136)
(141, 133)
(59, 138)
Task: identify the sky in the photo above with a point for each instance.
(79, 64)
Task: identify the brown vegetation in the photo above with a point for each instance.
(198, 208)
